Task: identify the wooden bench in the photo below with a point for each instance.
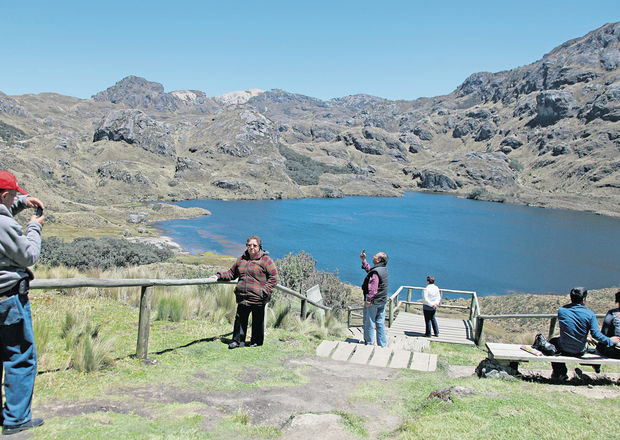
(511, 355)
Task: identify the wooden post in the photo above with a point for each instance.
(304, 313)
(391, 314)
(408, 300)
(144, 322)
(552, 324)
(478, 334)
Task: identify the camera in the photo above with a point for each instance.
(39, 211)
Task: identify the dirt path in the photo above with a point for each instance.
(302, 412)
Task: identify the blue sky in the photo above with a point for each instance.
(324, 49)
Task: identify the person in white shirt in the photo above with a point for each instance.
(431, 297)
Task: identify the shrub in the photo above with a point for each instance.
(104, 253)
(89, 351)
(298, 272)
(306, 171)
(170, 308)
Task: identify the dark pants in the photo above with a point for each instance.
(429, 319)
(241, 323)
(559, 368)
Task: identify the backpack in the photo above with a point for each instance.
(543, 345)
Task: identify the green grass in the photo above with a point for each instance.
(175, 395)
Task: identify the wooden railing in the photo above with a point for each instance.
(552, 317)
(146, 295)
(394, 303)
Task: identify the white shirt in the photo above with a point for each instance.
(431, 295)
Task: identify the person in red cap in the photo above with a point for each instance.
(18, 354)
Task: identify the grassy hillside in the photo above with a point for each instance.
(194, 387)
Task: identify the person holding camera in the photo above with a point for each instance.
(375, 289)
(17, 252)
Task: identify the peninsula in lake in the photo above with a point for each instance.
(544, 134)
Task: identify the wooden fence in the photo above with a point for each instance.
(552, 317)
(394, 303)
(146, 296)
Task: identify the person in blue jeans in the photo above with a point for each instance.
(17, 349)
(375, 289)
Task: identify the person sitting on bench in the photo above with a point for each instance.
(576, 322)
(610, 328)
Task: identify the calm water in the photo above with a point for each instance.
(491, 248)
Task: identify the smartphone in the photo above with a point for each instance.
(39, 211)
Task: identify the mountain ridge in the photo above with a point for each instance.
(544, 134)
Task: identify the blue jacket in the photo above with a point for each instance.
(576, 321)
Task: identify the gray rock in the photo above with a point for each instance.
(607, 105)
(437, 181)
(135, 127)
(558, 150)
(553, 105)
(512, 142)
(330, 192)
(138, 217)
(134, 91)
(423, 133)
(235, 186)
(447, 394)
(486, 132)
(11, 106)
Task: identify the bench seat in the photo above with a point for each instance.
(512, 353)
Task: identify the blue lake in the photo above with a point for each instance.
(492, 248)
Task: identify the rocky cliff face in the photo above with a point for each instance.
(545, 134)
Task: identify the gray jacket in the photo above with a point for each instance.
(17, 251)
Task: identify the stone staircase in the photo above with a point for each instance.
(401, 352)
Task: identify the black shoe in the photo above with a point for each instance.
(427, 335)
(14, 429)
(235, 344)
(437, 335)
(597, 368)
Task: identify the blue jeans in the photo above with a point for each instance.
(19, 359)
(374, 318)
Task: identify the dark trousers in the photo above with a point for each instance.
(241, 323)
(429, 319)
(559, 368)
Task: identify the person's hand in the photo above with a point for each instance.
(39, 220)
(367, 303)
(363, 255)
(435, 306)
(213, 277)
(615, 340)
(33, 202)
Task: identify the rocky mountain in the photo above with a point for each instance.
(545, 134)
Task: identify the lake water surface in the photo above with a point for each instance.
(491, 248)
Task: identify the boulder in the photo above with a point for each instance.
(607, 105)
(436, 181)
(135, 127)
(553, 105)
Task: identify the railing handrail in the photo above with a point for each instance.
(393, 303)
(71, 283)
(146, 287)
(529, 315)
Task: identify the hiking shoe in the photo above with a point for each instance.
(14, 429)
(235, 344)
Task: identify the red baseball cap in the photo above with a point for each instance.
(9, 181)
